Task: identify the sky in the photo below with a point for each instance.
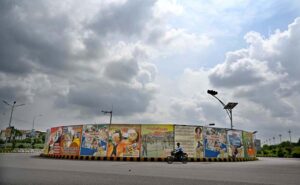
(152, 61)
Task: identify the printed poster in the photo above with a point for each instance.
(215, 142)
(46, 144)
(190, 139)
(198, 142)
(94, 140)
(55, 139)
(235, 143)
(71, 137)
(124, 141)
(248, 144)
(157, 140)
(185, 136)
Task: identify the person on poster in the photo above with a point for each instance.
(144, 145)
(131, 146)
(58, 136)
(198, 133)
(199, 150)
(114, 149)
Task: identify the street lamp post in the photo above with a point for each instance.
(108, 112)
(10, 118)
(12, 109)
(228, 107)
(290, 135)
(280, 137)
(32, 131)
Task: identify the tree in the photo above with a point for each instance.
(18, 134)
(298, 143)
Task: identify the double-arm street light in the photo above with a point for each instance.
(228, 107)
(108, 112)
(12, 109)
(13, 106)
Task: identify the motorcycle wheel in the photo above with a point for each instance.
(184, 160)
(170, 159)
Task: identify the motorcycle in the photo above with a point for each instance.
(183, 157)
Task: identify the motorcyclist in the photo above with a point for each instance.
(178, 151)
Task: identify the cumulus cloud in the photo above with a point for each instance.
(265, 76)
(261, 78)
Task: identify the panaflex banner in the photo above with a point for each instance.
(157, 140)
(71, 139)
(46, 145)
(54, 141)
(94, 140)
(124, 141)
(235, 143)
(151, 140)
(248, 144)
(190, 139)
(215, 143)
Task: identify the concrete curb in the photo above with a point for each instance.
(149, 159)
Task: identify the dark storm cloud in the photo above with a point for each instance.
(128, 18)
(91, 98)
(123, 70)
(48, 38)
(33, 38)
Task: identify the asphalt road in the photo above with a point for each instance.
(30, 169)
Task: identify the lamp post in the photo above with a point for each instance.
(228, 107)
(280, 137)
(12, 109)
(32, 131)
(290, 135)
(13, 106)
(108, 112)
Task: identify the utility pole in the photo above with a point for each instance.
(32, 131)
(13, 106)
(280, 137)
(108, 112)
(228, 108)
(290, 135)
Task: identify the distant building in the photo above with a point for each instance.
(257, 143)
(2, 134)
(23, 134)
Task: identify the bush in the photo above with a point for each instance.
(2, 141)
(280, 153)
(296, 155)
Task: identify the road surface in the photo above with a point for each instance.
(31, 169)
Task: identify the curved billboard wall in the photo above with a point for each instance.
(148, 140)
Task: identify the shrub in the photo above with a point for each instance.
(280, 153)
(296, 155)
